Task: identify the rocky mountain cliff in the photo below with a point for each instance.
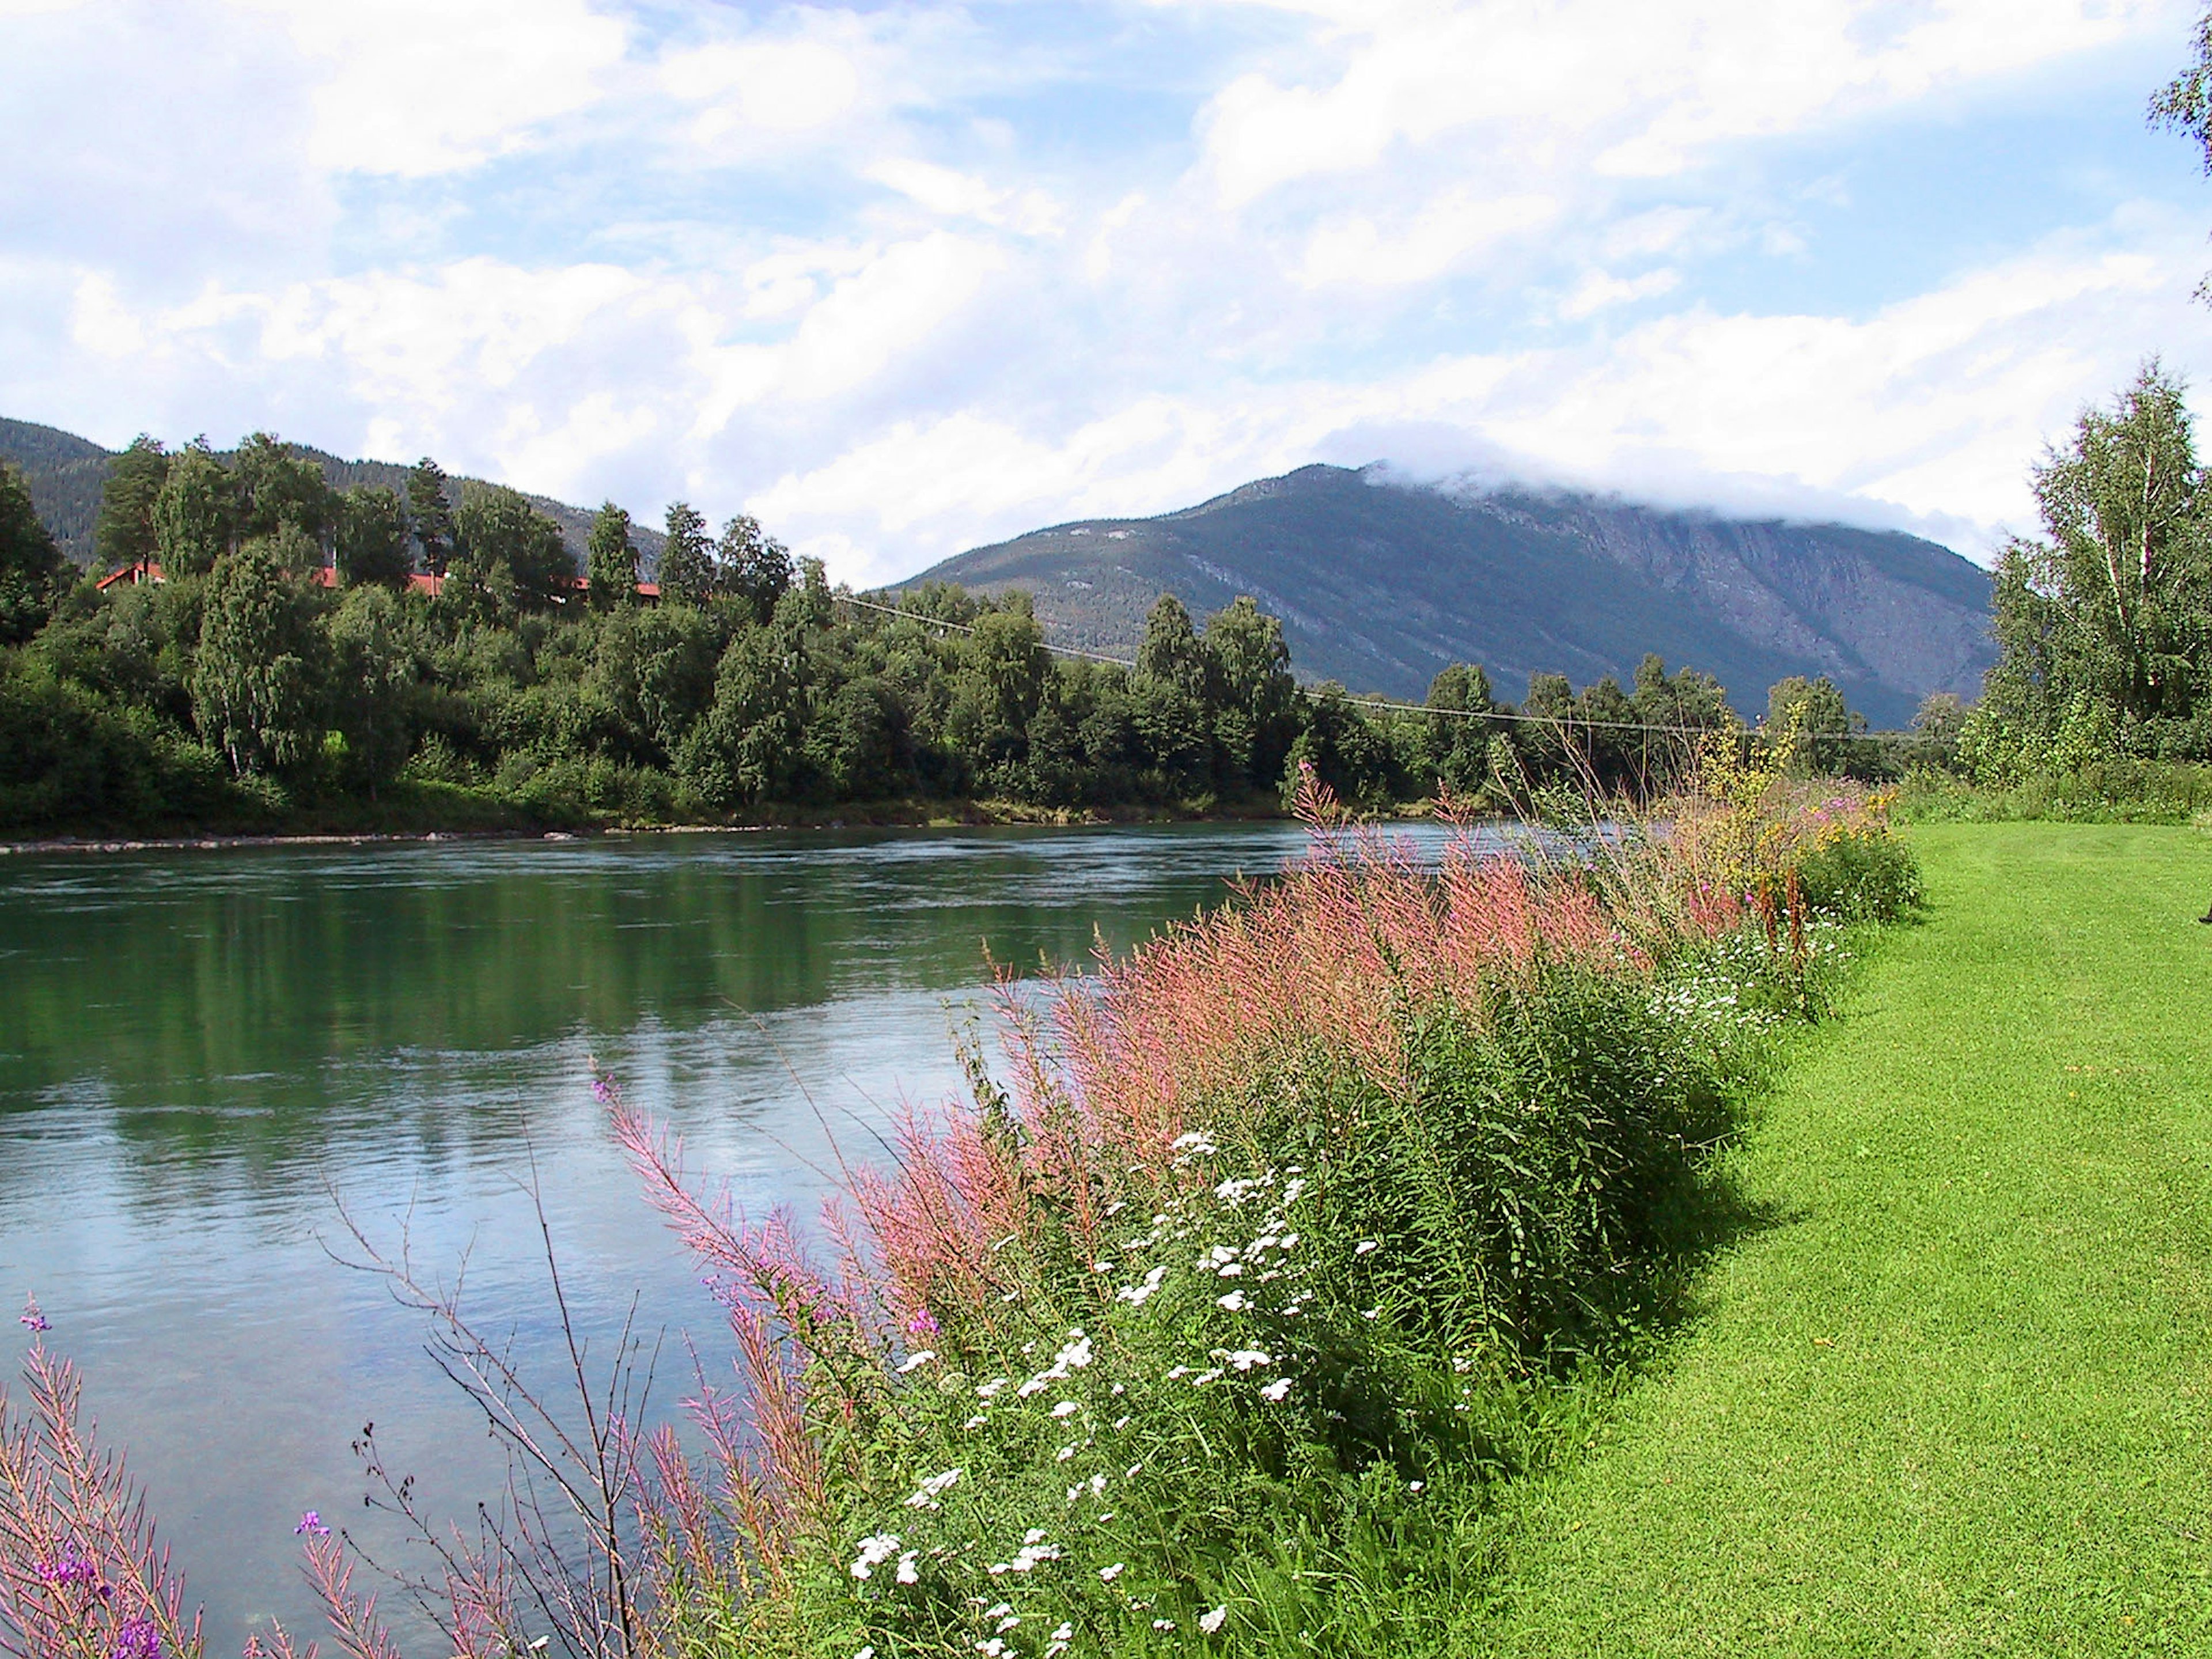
(1380, 583)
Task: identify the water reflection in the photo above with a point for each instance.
(192, 1045)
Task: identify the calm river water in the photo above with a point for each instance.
(196, 1049)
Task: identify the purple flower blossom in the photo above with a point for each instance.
(137, 1638)
(31, 1316)
(311, 1523)
(602, 1091)
(71, 1569)
(924, 1323)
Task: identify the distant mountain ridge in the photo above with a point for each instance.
(66, 474)
(1380, 583)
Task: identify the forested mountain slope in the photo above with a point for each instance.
(1380, 584)
(65, 473)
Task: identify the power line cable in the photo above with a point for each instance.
(1578, 720)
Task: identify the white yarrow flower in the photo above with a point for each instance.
(1277, 1391)
(875, 1549)
(1211, 1622)
(914, 1361)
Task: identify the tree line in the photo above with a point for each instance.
(291, 661)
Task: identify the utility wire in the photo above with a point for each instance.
(1576, 720)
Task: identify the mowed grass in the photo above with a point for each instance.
(1950, 1395)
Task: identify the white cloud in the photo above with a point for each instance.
(765, 86)
(418, 86)
(1446, 232)
(1635, 90)
(1598, 291)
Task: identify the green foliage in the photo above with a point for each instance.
(1860, 878)
(30, 563)
(2111, 790)
(1346, 753)
(196, 513)
(611, 561)
(123, 535)
(752, 567)
(259, 673)
(508, 556)
(71, 759)
(279, 489)
(430, 515)
(1819, 724)
(2105, 628)
(371, 540)
(687, 557)
(372, 677)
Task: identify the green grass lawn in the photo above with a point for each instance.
(1952, 1397)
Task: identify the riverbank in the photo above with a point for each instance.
(489, 826)
(1952, 1393)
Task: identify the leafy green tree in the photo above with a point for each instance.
(278, 487)
(610, 563)
(2105, 631)
(196, 513)
(1172, 651)
(687, 557)
(430, 514)
(1547, 746)
(30, 563)
(752, 566)
(1172, 697)
(258, 676)
(655, 666)
(124, 534)
(371, 542)
(1935, 729)
(1826, 725)
(1457, 747)
(1256, 715)
(1345, 751)
(1605, 719)
(372, 677)
(749, 747)
(509, 551)
(998, 690)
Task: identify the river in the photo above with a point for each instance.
(202, 1054)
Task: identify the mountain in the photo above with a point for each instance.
(66, 473)
(1380, 583)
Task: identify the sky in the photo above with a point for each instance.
(904, 279)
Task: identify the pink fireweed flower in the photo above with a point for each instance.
(923, 1324)
(137, 1638)
(311, 1525)
(31, 1316)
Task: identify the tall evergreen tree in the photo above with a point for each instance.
(124, 534)
(1256, 717)
(687, 557)
(611, 564)
(430, 512)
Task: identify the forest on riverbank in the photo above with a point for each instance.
(270, 653)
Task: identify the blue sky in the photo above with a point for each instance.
(901, 279)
